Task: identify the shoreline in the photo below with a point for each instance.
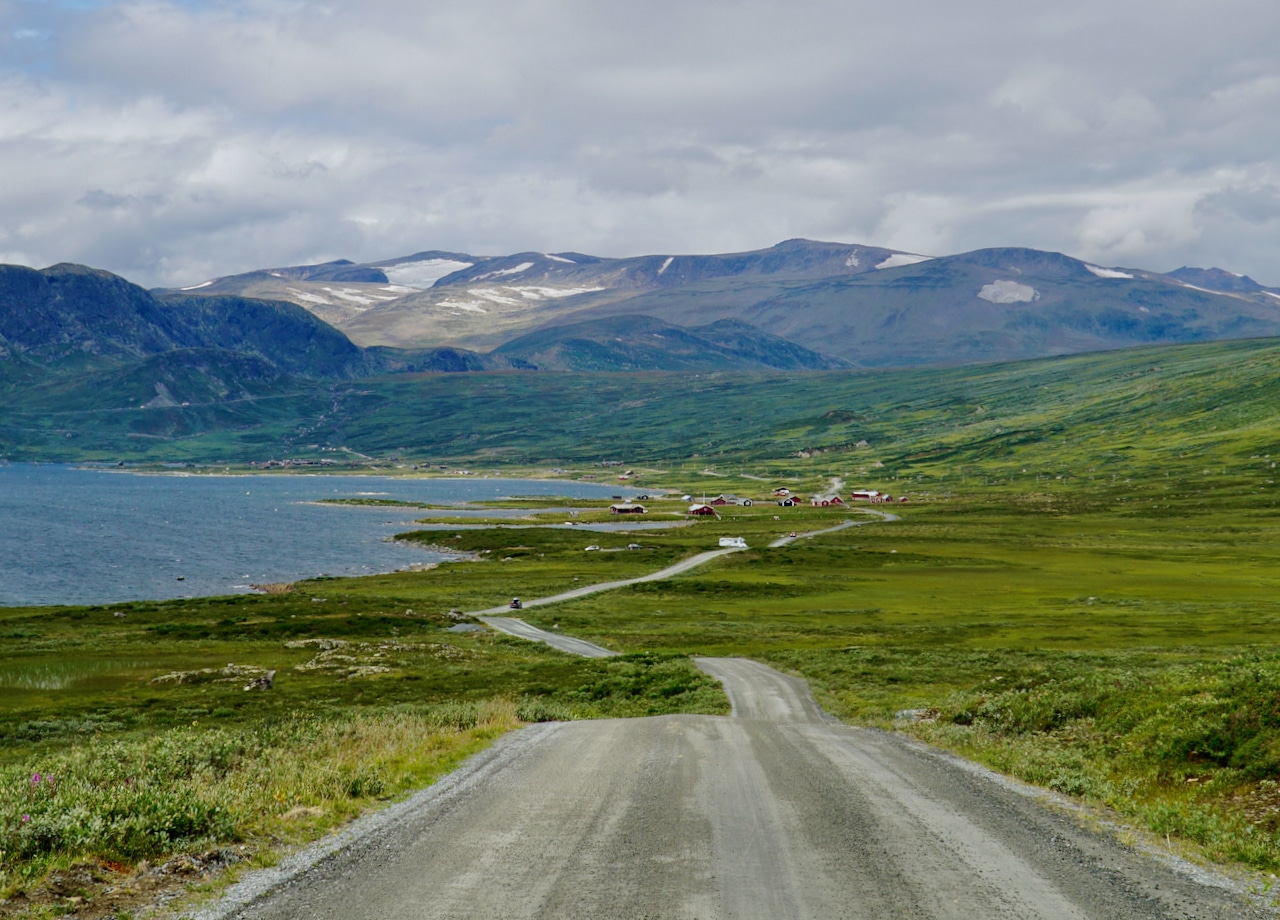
(64, 525)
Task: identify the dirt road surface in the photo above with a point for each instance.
(670, 571)
(519, 628)
(513, 626)
(805, 535)
(775, 812)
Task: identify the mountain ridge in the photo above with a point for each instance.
(866, 306)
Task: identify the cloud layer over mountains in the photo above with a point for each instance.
(175, 141)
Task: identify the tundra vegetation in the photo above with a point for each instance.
(1081, 593)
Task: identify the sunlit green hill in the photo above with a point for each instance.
(1169, 409)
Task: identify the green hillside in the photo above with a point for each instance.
(642, 343)
(1171, 408)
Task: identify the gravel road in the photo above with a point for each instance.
(805, 535)
(517, 627)
(775, 812)
(669, 572)
(512, 626)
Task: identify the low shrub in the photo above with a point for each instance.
(129, 799)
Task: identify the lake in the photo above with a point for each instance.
(82, 536)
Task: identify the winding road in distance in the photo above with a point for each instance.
(494, 617)
(774, 812)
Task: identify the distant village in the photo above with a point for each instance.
(783, 498)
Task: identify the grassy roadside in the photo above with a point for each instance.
(100, 813)
(131, 750)
(1127, 659)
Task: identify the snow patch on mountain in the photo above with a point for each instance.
(1107, 272)
(353, 296)
(899, 259)
(666, 264)
(469, 306)
(1008, 292)
(516, 270)
(852, 261)
(482, 299)
(423, 274)
(534, 292)
(547, 255)
(308, 297)
(1205, 290)
(196, 287)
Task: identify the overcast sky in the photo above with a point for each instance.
(176, 141)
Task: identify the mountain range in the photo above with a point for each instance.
(799, 305)
(853, 305)
(92, 365)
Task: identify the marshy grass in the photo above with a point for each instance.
(60, 674)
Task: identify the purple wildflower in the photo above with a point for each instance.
(26, 819)
(35, 779)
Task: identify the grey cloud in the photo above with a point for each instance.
(1255, 205)
(100, 200)
(221, 137)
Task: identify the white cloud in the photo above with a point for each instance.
(174, 141)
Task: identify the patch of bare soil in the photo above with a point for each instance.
(106, 890)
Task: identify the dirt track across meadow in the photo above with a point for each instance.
(774, 812)
(494, 617)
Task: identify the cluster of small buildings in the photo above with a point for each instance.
(871, 495)
(782, 497)
(290, 464)
(628, 508)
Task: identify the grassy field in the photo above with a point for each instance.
(1082, 592)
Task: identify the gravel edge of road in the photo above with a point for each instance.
(1097, 820)
(259, 883)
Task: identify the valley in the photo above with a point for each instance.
(1079, 593)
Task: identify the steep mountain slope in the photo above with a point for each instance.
(630, 343)
(287, 336)
(70, 319)
(75, 313)
(73, 316)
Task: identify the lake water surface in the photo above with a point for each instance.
(81, 536)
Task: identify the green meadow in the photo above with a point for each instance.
(1083, 591)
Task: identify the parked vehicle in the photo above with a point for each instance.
(515, 603)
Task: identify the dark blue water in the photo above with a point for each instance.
(77, 536)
